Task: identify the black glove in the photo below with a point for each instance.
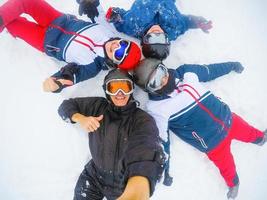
(67, 72)
(110, 64)
(237, 67)
(233, 192)
(167, 179)
(89, 7)
(113, 15)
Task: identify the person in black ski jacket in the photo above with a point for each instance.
(127, 158)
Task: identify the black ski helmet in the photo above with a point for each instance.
(143, 71)
(142, 77)
(158, 51)
(155, 50)
(116, 74)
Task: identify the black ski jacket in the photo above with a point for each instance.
(126, 144)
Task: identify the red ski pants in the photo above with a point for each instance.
(222, 157)
(31, 32)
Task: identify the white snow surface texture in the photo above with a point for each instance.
(41, 156)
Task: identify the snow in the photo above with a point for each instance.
(41, 156)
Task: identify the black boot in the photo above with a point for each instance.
(264, 139)
(233, 192)
(167, 179)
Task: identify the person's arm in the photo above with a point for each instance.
(172, 20)
(65, 77)
(89, 124)
(116, 15)
(71, 74)
(139, 18)
(198, 22)
(126, 21)
(209, 72)
(84, 106)
(144, 154)
(137, 188)
(52, 84)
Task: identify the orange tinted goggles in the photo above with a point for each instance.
(114, 86)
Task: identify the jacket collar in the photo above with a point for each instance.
(132, 104)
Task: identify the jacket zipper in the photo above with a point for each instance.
(117, 152)
(200, 139)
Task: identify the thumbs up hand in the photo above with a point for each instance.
(89, 124)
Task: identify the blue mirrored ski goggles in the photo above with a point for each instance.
(156, 38)
(155, 81)
(121, 51)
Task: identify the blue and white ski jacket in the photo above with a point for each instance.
(145, 13)
(76, 41)
(192, 112)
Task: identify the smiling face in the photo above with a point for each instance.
(120, 99)
(155, 29)
(110, 46)
(164, 80)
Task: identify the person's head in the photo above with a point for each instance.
(154, 77)
(121, 53)
(118, 86)
(155, 43)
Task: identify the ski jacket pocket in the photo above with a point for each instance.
(200, 139)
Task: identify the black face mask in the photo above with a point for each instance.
(170, 86)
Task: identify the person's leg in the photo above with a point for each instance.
(244, 132)
(39, 10)
(222, 157)
(28, 31)
(86, 189)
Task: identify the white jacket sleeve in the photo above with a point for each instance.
(162, 124)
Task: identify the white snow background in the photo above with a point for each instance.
(41, 156)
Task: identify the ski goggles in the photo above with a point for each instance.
(121, 51)
(156, 38)
(156, 78)
(113, 87)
